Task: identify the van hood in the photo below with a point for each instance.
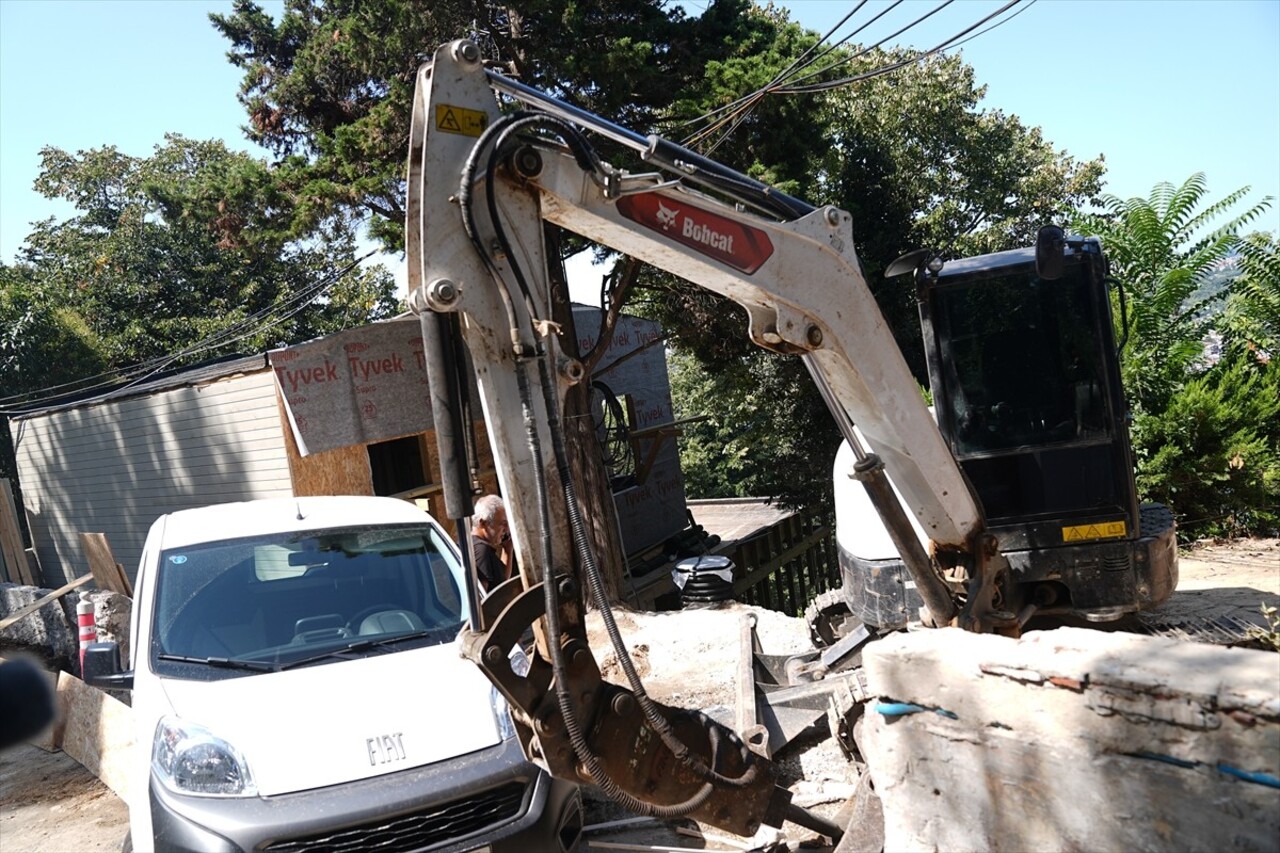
(337, 722)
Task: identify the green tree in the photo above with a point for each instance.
(1252, 317)
(1205, 435)
(171, 250)
(42, 344)
(1213, 453)
(328, 89)
(1162, 249)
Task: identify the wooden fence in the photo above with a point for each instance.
(785, 567)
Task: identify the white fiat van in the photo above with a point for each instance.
(296, 686)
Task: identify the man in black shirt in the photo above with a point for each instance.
(490, 542)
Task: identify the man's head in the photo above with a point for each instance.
(489, 520)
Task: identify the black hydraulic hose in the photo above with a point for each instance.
(703, 170)
(468, 214)
(595, 581)
(583, 154)
(552, 606)
(669, 155)
(586, 159)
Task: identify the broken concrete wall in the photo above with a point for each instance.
(1073, 740)
(51, 631)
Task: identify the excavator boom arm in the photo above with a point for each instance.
(481, 186)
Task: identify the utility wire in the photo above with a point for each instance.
(761, 94)
(752, 98)
(875, 72)
(844, 60)
(140, 372)
(799, 62)
(738, 109)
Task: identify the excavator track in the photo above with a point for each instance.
(829, 618)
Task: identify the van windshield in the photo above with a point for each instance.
(290, 598)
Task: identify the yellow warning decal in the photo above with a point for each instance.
(460, 120)
(1099, 530)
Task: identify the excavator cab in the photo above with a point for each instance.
(1026, 388)
(1025, 378)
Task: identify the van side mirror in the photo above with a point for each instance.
(102, 667)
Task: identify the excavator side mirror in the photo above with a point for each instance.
(909, 262)
(1050, 241)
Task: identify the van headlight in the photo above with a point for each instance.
(188, 759)
(501, 710)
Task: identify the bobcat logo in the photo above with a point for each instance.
(666, 216)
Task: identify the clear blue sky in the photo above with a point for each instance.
(1163, 88)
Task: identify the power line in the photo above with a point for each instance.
(747, 100)
(735, 112)
(140, 372)
(875, 72)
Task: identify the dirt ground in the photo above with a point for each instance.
(51, 804)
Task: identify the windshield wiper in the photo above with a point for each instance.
(364, 645)
(227, 663)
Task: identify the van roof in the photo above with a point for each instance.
(276, 515)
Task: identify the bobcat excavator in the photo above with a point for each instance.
(1019, 497)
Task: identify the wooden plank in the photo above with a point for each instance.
(97, 731)
(43, 600)
(108, 574)
(15, 555)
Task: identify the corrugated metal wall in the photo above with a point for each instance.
(116, 466)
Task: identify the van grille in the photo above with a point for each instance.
(420, 830)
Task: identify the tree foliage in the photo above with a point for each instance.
(738, 449)
(1213, 452)
(1205, 433)
(162, 254)
(328, 86)
(1162, 249)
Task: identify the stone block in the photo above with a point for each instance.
(52, 628)
(1073, 739)
(111, 614)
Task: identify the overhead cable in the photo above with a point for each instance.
(875, 72)
(127, 377)
(735, 112)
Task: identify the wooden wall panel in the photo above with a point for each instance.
(115, 466)
(342, 471)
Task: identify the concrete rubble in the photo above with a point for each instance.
(51, 630)
(1073, 739)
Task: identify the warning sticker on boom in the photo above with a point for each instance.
(461, 120)
(1098, 530)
